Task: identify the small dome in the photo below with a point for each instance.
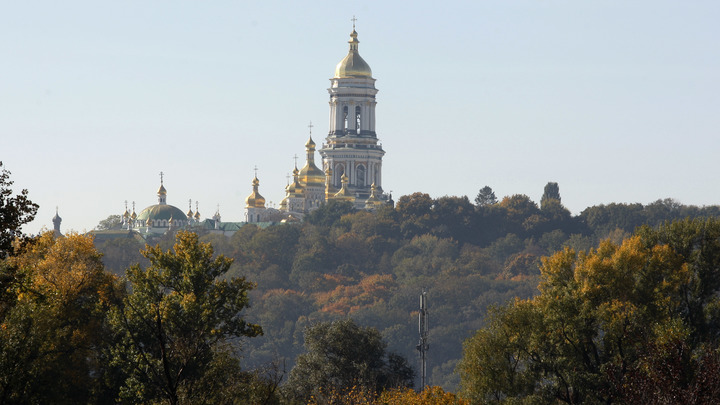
(161, 190)
(310, 144)
(353, 65)
(255, 200)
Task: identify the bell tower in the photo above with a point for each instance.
(351, 148)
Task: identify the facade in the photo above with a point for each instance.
(351, 154)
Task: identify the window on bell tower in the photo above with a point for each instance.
(357, 119)
(360, 175)
(345, 119)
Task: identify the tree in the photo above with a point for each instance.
(340, 356)
(485, 197)
(53, 337)
(111, 222)
(551, 193)
(329, 213)
(15, 211)
(177, 320)
(603, 320)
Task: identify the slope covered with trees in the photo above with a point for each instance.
(372, 266)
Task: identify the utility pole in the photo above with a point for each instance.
(423, 346)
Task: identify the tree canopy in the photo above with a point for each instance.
(341, 356)
(174, 322)
(602, 318)
(15, 211)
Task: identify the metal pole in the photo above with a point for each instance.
(423, 346)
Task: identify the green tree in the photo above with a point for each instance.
(551, 193)
(111, 222)
(176, 321)
(15, 211)
(329, 213)
(485, 197)
(341, 355)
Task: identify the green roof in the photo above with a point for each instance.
(161, 212)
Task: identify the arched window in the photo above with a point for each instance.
(357, 119)
(360, 176)
(345, 118)
(339, 171)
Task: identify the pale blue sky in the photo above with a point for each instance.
(617, 101)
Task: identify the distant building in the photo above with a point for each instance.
(351, 154)
(56, 223)
(351, 161)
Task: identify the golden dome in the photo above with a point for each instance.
(189, 214)
(311, 175)
(353, 65)
(255, 200)
(161, 190)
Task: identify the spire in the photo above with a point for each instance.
(162, 193)
(255, 200)
(311, 175)
(56, 223)
(353, 65)
(189, 213)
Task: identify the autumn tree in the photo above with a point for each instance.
(52, 338)
(598, 315)
(341, 356)
(176, 322)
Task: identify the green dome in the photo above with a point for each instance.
(161, 212)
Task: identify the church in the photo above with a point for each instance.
(351, 155)
(351, 165)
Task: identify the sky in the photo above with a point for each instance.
(616, 101)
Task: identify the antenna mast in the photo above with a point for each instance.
(423, 346)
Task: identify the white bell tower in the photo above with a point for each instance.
(351, 147)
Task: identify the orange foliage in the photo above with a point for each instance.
(346, 299)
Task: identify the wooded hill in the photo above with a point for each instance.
(372, 266)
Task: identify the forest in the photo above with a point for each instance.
(285, 313)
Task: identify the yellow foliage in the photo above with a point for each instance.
(62, 269)
(429, 396)
(401, 396)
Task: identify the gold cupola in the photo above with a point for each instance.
(344, 194)
(310, 175)
(255, 200)
(353, 66)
